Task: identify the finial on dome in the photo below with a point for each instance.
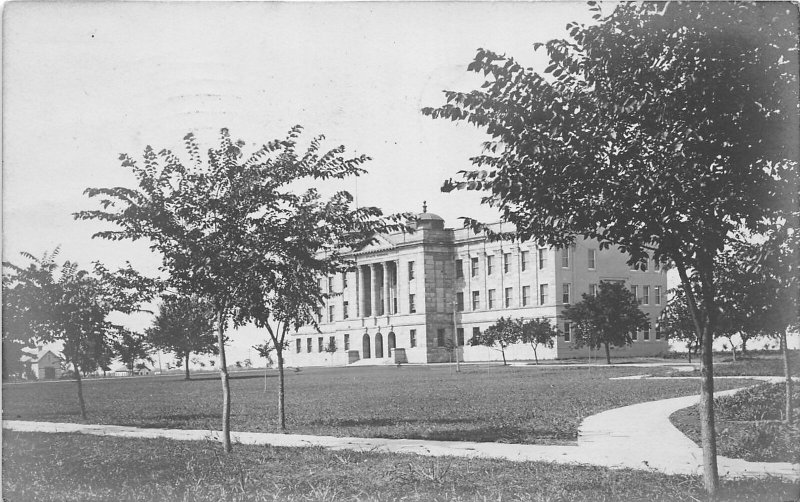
(424, 206)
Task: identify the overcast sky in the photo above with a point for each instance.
(85, 82)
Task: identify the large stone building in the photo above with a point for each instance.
(410, 292)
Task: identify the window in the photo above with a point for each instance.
(459, 269)
(567, 333)
(330, 284)
(412, 335)
(299, 345)
(565, 258)
(476, 332)
(526, 295)
(474, 267)
(657, 295)
(658, 332)
(319, 314)
(542, 294)
(460, 302)
(332, 342)
(320, 344)
(523, 260)
(656, 266)
(646, 295)
(489, 264)
(460, 336)
(565, 293)
(309, 347)
(440, 337)
(476, 300)
(345, 313)
(346, 341)
(592, 289)
(330, 313)
(542, 258)
(344, 280)
(643, 266)
(635, 293)
(411, 307)
(411, 271)
(509, 297)
(506, 262)
(491, 298)
(592, 259)
(635, 336)
(647, 333)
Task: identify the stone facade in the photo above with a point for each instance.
(420, 292)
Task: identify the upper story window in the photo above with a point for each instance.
(635, 293)
(526, 295)
(474, 266)
(344, 280)
(565, 258)
(657, 295)
(412, 308)
(509, 297)
(656, 266)
(330, 284)
(489, 264)
(491, 298)
(523, 260)
(411, 271)
(330, 313)
(460, 301)
(506, 262)
(345, 310)
(542, 294)
(592, 259)
(542, 258)
(565, 293)
(476, 300)
(646, 295)
(459, 269)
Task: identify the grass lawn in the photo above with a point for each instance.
(64, 467)
(483, 403)
(766, 365)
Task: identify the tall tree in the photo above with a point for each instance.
(502, 334)
(536, 332)
(229, 228)
(606, 319)
(660, 128)
(69, 305)
(184, 326)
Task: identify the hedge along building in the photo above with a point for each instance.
(410, 296)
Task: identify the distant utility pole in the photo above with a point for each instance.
(455, 335)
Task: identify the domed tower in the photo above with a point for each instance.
(429, 221)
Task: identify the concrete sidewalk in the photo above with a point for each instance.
(639, 436)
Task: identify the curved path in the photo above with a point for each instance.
(639, 436)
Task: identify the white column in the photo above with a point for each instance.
(373, 290)
(386, 296)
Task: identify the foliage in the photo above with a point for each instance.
(52, 303)
(676, 322)
(760, 402)
(67, 468)
(504, 332)
(184, 326)
(131, 347)
(662, 128)
(607, 318)
(537, 332)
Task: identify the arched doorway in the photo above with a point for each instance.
(379, 346)
(365, 352)
(390, 343)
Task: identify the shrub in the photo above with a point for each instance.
(761, 402)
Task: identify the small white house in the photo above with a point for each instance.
(44, 364)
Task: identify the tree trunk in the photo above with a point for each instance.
(503, 351)
(787, 370)
(733, 351)
(689, 352)
(186, 368)
(281, 389)
(226, 387)
(608, 353)
(744, 347)
(80, 390)
(535, 356)
(266, 368)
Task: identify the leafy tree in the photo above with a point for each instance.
(660, 128)
(537, 332)
(184, 326)
(131, 347)
(503, 333)
(264, 350)
(676, 323)
(606, 319)
(69, 305)
(230, 228)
